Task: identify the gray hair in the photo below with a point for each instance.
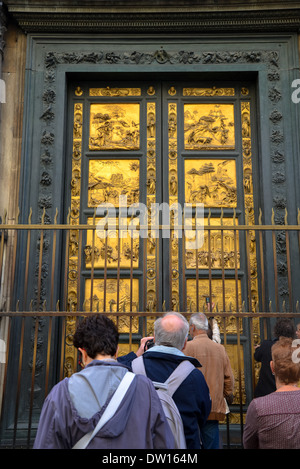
(199, 320)
(175, 338)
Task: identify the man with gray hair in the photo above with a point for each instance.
(192, 397)
(218, 374)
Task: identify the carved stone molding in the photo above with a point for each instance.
(129, 18)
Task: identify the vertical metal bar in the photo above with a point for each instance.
(79, 270)
(14, 258)
(131, 272)
(239, 375)
(93, 264)
(19, 382)
(5, 369)
(158, 270)
(275, 263)
(65, 298)
(53, 264)
(170, 266)
(252, 353)
(184, 300)
(40, 263)
(131, 286)
(209, 261)
(62, 354)
(27, 262)
(262, 265)
(145, 248)
(118, 272)
(288, 261)
(197, 269)
(48, 355)
(248, 239)
(236, 277)
(32, 379)
(222, 261)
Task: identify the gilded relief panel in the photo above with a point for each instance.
(227, 292)
(114, 126)
(209, 126)
(112, 247)
(219, 250)
(120, 92)
(211, 182)
(114, 295)
(110, 179)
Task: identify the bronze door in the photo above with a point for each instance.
(144, 149)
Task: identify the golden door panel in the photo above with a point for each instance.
(209, 126)
(114, 126)
(218, 249)
(113, 182)
(113, 295)
(112, 247)
(211, 182)
(214, 289)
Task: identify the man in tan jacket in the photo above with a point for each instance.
(218, 374)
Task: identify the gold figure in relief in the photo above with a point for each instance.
(115, 126)
(112, 247)
(209, 127)
(211, 182)
(222, 252)
(112, 295)
(115, 91)
(218, 297)
(111, 179)
(214, 91)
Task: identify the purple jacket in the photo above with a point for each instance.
(74, 406)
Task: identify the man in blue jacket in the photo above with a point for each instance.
(192, 397)
(74, 406)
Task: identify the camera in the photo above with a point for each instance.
(148, 344)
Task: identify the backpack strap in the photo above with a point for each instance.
(179, 375)
(109, 411)
(175, 379)
(138, 366)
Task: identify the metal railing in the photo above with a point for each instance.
(39, 315)
(21, 405)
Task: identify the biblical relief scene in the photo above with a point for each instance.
(114, 126)
(220, 249)
(112, 295)
(224, 297)
(209, 127)
(110, 179)
(108, 245)
(211, 182)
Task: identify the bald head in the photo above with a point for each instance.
(171, 330)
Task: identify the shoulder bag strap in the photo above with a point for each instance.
(109, 411)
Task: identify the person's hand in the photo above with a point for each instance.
(142, 345)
